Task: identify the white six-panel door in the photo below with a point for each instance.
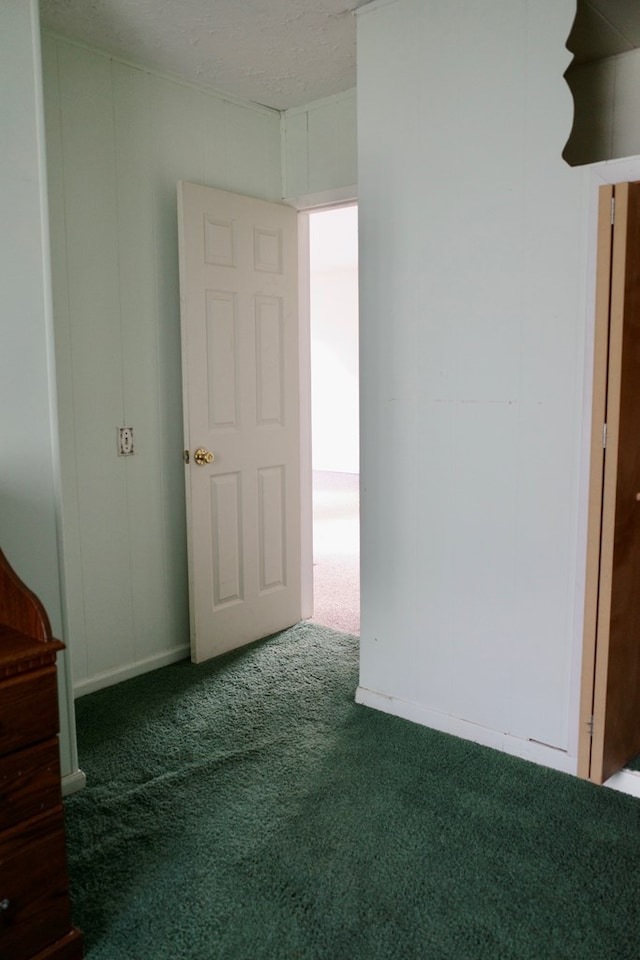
(238, 290)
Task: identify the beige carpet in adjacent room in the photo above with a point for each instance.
(336, 551)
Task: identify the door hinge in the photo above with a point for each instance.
(604, 436)
(613, 210)
(590, 726)
(185, 456)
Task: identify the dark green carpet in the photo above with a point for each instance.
(247, 809)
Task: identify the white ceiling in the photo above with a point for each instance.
(281, 53)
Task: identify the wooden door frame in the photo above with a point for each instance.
(596, 478)
(602, 176)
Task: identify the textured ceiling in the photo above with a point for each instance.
(281, 53)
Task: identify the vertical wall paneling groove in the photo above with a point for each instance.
(320, 146)
(120, 218)
(179, 139)
(96, 350)
(272, 161)
(119, 138)
(138, 305)
(215, 133)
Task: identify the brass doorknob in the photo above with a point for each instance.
(202, 457)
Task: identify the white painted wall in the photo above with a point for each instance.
(334, 339)
(119, 138)
(319, 148)
(472, 326)
(29, 485)
(607, 109)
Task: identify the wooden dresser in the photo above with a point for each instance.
(35, 915)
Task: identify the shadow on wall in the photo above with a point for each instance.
(28, 538)
(604, 80)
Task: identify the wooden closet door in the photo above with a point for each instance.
(616, 677)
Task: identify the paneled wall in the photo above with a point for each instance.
(319, 147)
(29, 474)
(607, 109)
(472, 352)
(118, 140)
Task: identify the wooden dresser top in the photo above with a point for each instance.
(19, 652)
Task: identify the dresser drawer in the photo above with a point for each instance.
(69, 948)
(28, 709)
(33, 887)
(29, 783)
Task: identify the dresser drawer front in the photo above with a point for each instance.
(29, 783)
(69, 948)
(33, 886)
(28, 709)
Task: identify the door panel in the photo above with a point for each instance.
(616, 698)
(238, 281)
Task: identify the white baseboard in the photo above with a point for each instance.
(73, 782)
(626, 781)
(540, 753)
(109, 677)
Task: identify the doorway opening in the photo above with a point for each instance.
(333, 263)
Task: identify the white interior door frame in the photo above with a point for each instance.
(330, 199)
(598, 175)
(306, 488)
